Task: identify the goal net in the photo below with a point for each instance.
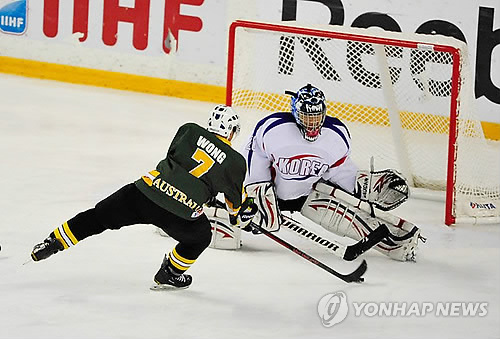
(406, 99)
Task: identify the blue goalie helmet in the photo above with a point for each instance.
(309, 110)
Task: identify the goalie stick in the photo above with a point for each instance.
(355, 276)
(271, 219)
(346, 252)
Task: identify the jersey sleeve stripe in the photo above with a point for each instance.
(339, 162)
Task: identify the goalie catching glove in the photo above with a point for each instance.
(386, 189)
(245, 215)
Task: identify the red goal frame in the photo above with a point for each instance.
(450, 217)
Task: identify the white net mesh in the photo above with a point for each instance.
(395, 95)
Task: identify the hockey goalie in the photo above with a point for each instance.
(299, 161)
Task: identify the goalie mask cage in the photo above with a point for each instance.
(406, 99)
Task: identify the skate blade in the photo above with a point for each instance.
(29, 261)
(165, 287)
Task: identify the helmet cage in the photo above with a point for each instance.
(309, 111)
(310, 124)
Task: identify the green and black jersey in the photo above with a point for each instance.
(198, 165)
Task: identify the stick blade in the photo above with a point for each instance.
(357, 275)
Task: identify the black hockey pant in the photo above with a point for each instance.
(128, 206)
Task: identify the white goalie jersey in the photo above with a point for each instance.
(276, 151)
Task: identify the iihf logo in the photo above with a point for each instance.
(13, 16)
(333, 308)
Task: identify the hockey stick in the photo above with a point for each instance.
(340, 250)
(355, 276)
(346, 252)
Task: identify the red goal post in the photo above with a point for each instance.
(406, 99)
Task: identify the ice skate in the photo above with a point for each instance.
(165, 278)
(45, 249)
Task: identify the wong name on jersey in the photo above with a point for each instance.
(212, 150)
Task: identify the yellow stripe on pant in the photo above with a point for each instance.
(179, 262)
(65, 236)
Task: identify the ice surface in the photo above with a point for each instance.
(64, 147)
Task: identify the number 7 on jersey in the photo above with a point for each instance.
(205, 163)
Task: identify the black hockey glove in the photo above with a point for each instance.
(245, 215)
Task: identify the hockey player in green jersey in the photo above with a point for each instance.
(199, 164)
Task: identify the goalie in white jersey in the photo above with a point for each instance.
(301, 161)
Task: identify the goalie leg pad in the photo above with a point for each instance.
(269, 216)
(342, 214)
(224, 235)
